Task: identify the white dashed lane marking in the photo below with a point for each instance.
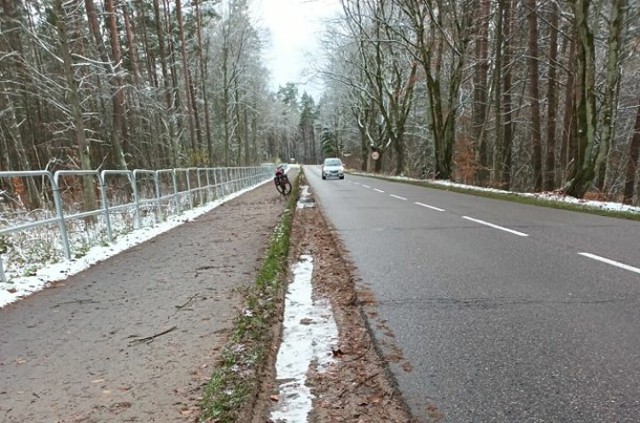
(611, 262)
(398, 197)
(428, 206)
(502, 228)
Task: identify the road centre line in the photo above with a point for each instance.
(482, 222)
(366, 186)
(379, 190)
(398, 197)
(428, 206)
(611, 262)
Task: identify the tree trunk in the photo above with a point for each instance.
(186, 75)
(166, 83)
(498, 149)
(176, 101)
(120, 133)
(552, 103)
(480, 95)
(225, 104)
(569, 143)
(632, 163)
(133, 50)
(610, 102)
(507, 133)
(203, 79)
(585, 104)
(536, 140)
(73, 101)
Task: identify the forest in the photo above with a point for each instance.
(522, 95)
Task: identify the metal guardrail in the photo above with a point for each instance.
(160, 193)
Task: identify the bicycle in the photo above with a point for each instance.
(282, 183)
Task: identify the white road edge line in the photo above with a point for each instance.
(482, 222)
(398, 197)
(365, 186)
(428, 206)
(611, 262)
(379, 190)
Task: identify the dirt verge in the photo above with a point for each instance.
(357, 386)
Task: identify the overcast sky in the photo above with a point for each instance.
(296, 27)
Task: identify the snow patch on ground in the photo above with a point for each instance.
(309, 331)
(549, 196)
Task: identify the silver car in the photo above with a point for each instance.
(332, 168)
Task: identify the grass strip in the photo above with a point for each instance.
(235, 381)
(519, 198)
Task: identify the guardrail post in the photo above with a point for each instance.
(156, 179)
(200, 188)
(216, 182)
(175, 190)
(188, 173)
(136, 200)
(3, 278)
(208, 177)
(105, 204)
(57, 199)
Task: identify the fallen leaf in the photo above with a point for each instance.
(274, 398)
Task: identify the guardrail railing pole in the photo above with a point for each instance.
(156, 180)
(57, 200)
(3, 278)
(136, 200)
(105, 204)
(176, 198)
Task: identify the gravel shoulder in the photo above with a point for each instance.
(135, 338)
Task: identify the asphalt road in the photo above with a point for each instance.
(505, 312)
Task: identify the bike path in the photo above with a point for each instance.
(136, 337)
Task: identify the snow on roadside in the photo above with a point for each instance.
(309, 330)
(549, 196)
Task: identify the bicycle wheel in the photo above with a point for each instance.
(286, 187)
(281, 187)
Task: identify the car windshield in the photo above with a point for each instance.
(332, 162)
